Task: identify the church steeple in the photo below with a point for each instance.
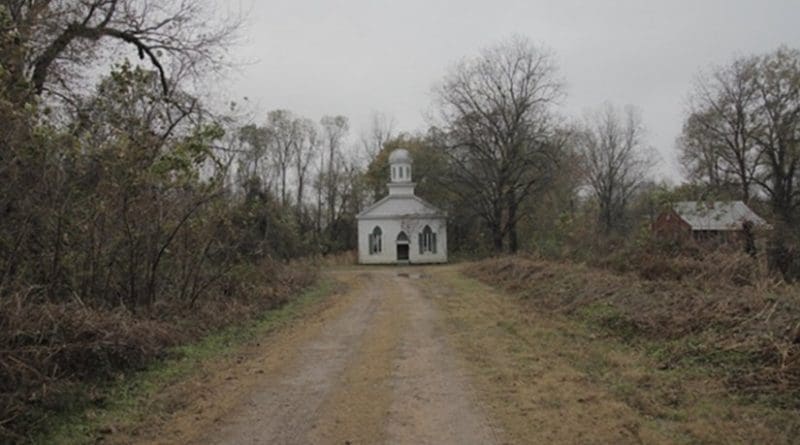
(400, 173)
(400, 162)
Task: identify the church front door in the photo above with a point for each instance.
(402, 252)
(402, 247)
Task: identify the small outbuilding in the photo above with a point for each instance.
(402, 228)
(723, 221)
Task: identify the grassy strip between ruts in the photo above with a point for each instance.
(129, 400)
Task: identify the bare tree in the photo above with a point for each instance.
(253, 163)
(334, 130)
(285, 136)
(306, 150)
(615, 161)
(700, 159)
(57, 39)
(778, 87)
(500, 130)
(750, 113)
(719, 138)
(381, 130)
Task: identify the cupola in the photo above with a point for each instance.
(400, 182)
(400, 164)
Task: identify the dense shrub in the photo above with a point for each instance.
(121, 234)
(50, 348)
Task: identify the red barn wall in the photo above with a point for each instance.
(670, 225)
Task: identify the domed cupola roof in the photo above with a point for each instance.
(400, 156)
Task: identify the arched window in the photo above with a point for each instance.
(427, 241)
(376, 241)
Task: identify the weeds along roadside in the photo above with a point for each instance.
(59, 358)
(720, 313)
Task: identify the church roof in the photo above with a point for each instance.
(404, 206)
(400, 156)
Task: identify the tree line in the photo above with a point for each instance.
(510, 167)
(130, 187)
(126, 189)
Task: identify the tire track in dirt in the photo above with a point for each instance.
(285, 410)
(356, 410)
(433, 401)
(377, 368)
(440, 359)
(405, 385)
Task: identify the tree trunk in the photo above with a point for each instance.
(301, 180)
(513, 241)
(496, 226)
(746, 192)
(284, 201)
(497, 236)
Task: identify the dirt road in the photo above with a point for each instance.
(374, 367)
(427, 356)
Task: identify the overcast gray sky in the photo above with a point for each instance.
(358, 56)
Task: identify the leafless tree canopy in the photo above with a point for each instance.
(615, 160)
(499, 127)
(744, 130)
(778, 89)
(381, 130)
(719, 143)
(284, 133)
(56, 39)
(306, 150)
(744, 126)
(334, 131)
(290, 156)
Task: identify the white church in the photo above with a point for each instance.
(402, 228)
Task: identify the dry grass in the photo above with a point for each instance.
(556, 378)
(51, 351)
(348, 258)
(721, 313)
